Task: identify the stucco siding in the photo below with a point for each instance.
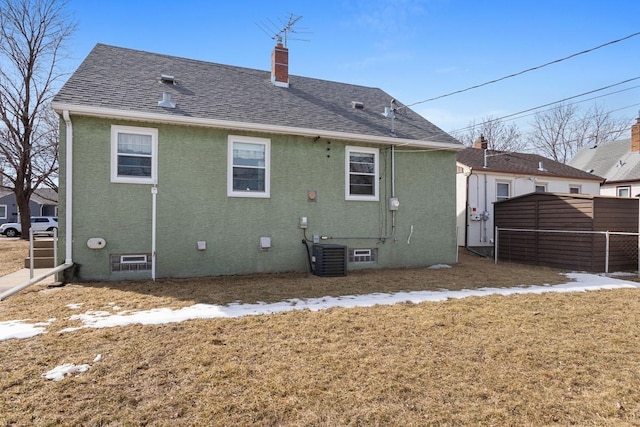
(192, 206)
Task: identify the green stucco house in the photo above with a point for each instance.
(172, 167)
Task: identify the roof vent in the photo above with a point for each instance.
(166, 101)
(357, 105)
(166, 78)
(541, 167)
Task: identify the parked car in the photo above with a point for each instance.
(39, 224)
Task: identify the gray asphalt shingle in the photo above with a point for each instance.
(524, 163)
(125, 79)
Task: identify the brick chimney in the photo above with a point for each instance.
(280, 66)
(635, 136)
(480, 143)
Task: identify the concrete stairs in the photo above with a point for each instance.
(42, 254)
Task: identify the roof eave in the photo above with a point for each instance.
(480, 169)
(111, 113)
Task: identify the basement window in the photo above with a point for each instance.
(363, 255)
(130, 262)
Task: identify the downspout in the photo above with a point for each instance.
(466, 210)
(68, 262)
(68, 233)
(154, 194)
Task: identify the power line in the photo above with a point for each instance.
(550, 103)
(526, 71)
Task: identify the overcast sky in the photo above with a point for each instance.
(412, 49)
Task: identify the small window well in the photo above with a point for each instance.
(363, 255)
(130, 262)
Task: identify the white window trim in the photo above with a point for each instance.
(538, 184)
(577, 187)
(498, 197)
(267, 167)
(153, 179)
(6, 213)
(376, 186)
(133, 259)
(623, 187)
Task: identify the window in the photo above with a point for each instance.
(623, 191)
(541, 188)
(503, 191)
(134, 155)
(363, 255)
(248, 169)
(361, 173)
(574, 189)
(3, 211)
(132, 262)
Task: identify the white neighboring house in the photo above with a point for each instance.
(486, 176)
(618, 162)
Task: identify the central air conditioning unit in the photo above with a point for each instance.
(330, 260)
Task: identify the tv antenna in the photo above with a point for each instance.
(281, 33)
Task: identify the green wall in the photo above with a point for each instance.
(192, 205)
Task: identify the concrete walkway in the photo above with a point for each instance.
(20, 277)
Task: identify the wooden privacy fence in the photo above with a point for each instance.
(595, 251)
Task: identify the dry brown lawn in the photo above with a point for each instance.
(522, 360)
(12, 254)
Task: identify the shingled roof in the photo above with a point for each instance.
(118, 82)
(615, 161)
(520, 163)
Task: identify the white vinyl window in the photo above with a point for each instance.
(503, 191)
(575, 189)
(623, 191)
(3, 211)
(248, 168)
(541, 188)
(361, 173)
(134, 155)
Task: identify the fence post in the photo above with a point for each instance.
(30, 253)
(495, 246)
(606, 254)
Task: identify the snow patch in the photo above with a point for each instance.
(60, 372)
(18, 329)
(108, 319)
(438, 266)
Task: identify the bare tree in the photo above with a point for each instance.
(499, 136)
(560, 132)
(32, 39)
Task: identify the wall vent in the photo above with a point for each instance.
(330, 260)
(166, 78)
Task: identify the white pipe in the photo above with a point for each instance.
(154, 194)
(483, 232)
(69, 189)
(33, 281)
